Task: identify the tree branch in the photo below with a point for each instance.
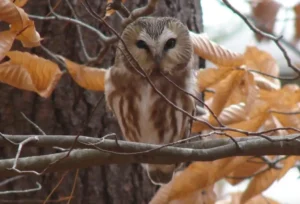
(195, 151)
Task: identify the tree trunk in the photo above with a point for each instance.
(69, 106)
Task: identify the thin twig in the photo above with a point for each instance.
(38, 188)
(32, 123)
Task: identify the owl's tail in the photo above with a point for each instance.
(160, 174)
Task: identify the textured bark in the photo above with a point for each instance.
(70, 105)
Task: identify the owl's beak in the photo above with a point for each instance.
(157, 59)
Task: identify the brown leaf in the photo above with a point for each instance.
(6, 40)
(20, 3)
(245, 170)
(87, 77)
(20, 23)
(260, 183)
(200, 175)
(261, 61)
(287, 165)
(206, 195)
(251, 125)
(111, 11)
(210, 76)
(224, 91)
(264, 83)
(29, 36)
(264, 13)
(215, 53)
(10, 13)
(297, 22)
(251, 91)
(30, 72)
(233, 114)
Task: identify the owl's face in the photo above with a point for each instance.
(158, 44)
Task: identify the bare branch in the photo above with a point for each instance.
(32, 123)
(82, 158)
(9, 180)
(267, 35)
(38, 188)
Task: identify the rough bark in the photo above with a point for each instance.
(70, 105)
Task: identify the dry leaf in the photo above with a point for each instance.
(210, 76)
(251, 91)
(29, 36)
(215, 53)
(111, 11)
(224, 91)
(6, 40)
(245, 170)
(87, 77)
(287, 165)
(233, 114)
(251, 125)
(30, 72)
(260, 183)
(264, 13)
(201, 196)
(20, 23)
(261, 61)
(264, 83)
(297, 22)
(13, 15)
(20, 3)
(200, 175)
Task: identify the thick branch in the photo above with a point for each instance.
(83, 158)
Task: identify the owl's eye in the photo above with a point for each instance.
(170, 44)
(141, 44)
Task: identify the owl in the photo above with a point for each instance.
(161, 46)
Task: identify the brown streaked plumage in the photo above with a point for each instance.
(159, 45)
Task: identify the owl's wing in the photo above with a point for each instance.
(90, 78)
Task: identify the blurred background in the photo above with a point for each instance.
(281, 18)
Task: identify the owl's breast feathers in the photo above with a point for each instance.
(143, 115)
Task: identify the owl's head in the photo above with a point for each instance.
(159, 44)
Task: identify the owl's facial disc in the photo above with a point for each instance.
(157, 48)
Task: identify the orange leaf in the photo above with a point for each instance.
(215, 53)
(224, 90)
(29, 36)
(260, 183)
(250, 125)
(297, 22)
(264, 83)
(251, 91)
(20, 23)
(287, 165)
(245, 170)
(264, 13)
(87, 77)
(206, 195)
(261, 61)
(109, 12)
(20, 3)
(6, 41)
(210, 76)
(233, 114)
(30, 72)
(200, 175)
(13, 15)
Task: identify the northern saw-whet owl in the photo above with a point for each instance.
(159, 45)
